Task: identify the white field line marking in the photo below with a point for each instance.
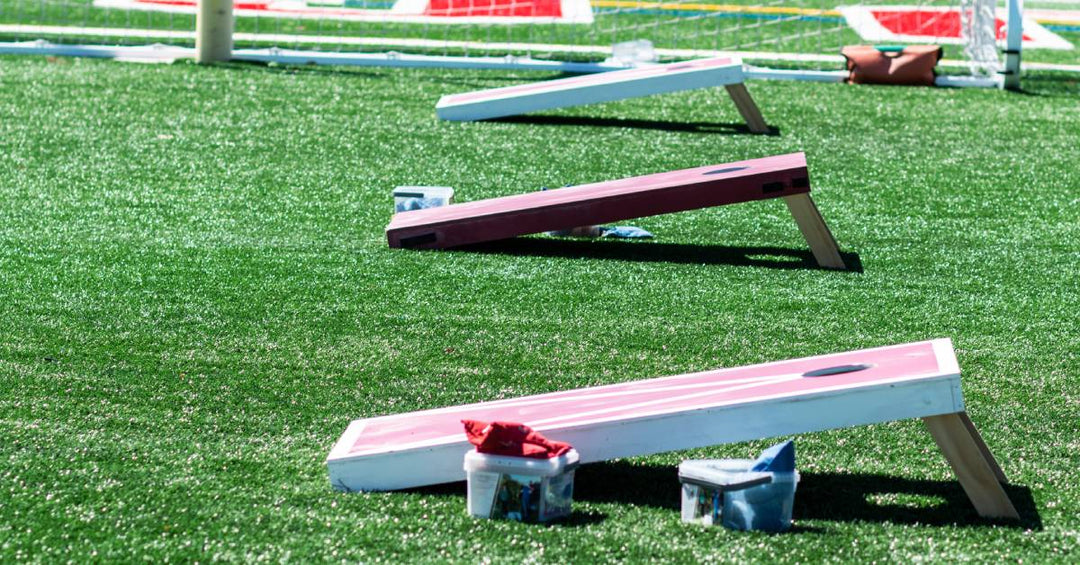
(96, 31)
(298, 10)
(409, 7)
(1053, 16)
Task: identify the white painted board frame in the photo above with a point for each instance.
(607, 87)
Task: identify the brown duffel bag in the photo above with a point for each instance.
(911, 65)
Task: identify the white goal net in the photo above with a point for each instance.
(803, 34)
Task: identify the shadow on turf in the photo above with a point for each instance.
(1050, 85)
(662, 125)
(651, 251)
(839, 497)
(576, 518)
(297, 68)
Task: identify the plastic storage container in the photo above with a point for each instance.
(726, 491)
(419, 197)
(520, 488)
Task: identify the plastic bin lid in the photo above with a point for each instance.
(476, 461)
(424, 192)
(724, 474)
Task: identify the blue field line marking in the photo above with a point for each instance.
(362, 4)
(1053, 27)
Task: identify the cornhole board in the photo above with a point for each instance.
(606, 87)
(782, 176)
(915, 380)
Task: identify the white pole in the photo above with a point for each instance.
(213, 31)
(1013, 44)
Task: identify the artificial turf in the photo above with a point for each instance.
(196, 297)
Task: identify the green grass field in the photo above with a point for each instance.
(196, 297)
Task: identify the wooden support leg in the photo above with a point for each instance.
(970, 460)
(813, 228)
(749, 110)
(989, 457)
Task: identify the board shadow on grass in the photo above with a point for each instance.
(577, 517)
(1050, 85)
(838, 497)
(769, 257)
(580, 518)
(724, 128)
(302, 68)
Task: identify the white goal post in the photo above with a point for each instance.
(1013, 43)
(214, 31)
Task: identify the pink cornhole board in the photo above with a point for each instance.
(915, 380)
(592, 89)
(782, 176)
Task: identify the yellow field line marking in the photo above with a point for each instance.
(740, 9)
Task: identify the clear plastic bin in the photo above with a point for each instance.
(520, 488)
(408, 198)
(726, 491)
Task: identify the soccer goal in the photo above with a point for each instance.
(983, 39)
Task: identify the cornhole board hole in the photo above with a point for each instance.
(782, 176)
(606, 87)
(915, 380)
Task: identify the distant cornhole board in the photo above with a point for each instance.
(782, 176)
(606, 87)
(915, 380)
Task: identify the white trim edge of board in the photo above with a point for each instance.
(513, 104)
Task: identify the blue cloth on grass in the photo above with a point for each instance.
(624, 232)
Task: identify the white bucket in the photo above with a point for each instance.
(726, 491)
(520, 488)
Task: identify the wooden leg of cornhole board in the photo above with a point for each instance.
(813, 228)
(989, 457)
(973, 464)
(749, 110)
